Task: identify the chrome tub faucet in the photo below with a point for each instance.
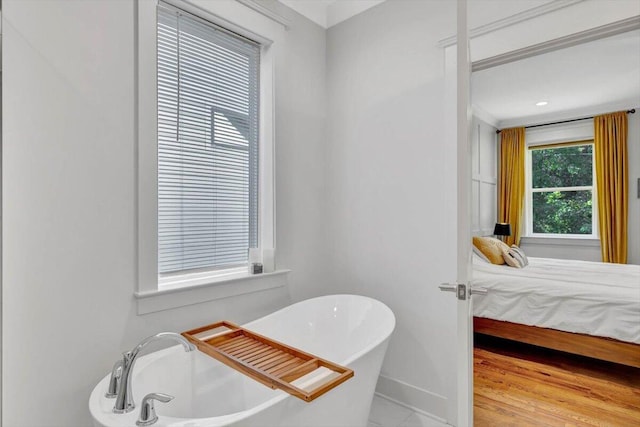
(124, 396)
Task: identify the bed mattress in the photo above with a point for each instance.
(592, 298)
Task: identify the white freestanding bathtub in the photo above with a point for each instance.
(350, 330)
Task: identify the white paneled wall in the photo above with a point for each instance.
(484, 177)
(633, 141)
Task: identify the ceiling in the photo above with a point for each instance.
(328, 13)
(604, 72)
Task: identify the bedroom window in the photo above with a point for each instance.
(208, 99)
(560, 196)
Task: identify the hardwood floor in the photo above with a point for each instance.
(523, 385)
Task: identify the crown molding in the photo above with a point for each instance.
(484, 116)
(255, 5)
(586, 36)
(511, 20)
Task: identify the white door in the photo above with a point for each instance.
(458, 121)
(463, 119)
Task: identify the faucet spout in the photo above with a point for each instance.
(124, 399)
(160, 336)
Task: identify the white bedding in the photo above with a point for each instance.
(574, 296)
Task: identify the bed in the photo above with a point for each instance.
(581, 307)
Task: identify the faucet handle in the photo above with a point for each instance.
(114, 381)
(147, 410)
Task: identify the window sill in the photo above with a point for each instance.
(224, 286)
(560, 241)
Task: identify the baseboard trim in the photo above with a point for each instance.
(419, 400)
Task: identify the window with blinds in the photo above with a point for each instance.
(207, 144)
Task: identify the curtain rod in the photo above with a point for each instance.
(633, 110)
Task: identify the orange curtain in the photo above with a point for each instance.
(610, 144)
(511, 181)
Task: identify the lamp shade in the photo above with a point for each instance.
(502, 229)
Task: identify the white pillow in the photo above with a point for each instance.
(521, 253)
(515, 257)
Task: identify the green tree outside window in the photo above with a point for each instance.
(562, 187)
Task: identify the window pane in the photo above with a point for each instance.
(562, 166)
(207, 145)
(562, 212)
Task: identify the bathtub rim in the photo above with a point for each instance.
(355, 356)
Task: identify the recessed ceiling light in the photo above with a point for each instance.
(541, 103)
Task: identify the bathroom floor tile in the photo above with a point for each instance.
(385, 413)
(419, 420)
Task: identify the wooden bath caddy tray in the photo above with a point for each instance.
(274, 364)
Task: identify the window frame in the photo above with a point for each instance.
(529, 191)
(236, 18)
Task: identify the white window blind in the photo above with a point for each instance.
(207, 144)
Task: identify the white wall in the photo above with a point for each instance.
(301, 130)
(633, 141)
(68, 198)
(484, 177)
(587, 250)
(577, 16)
(391, 187)
(389, 177)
